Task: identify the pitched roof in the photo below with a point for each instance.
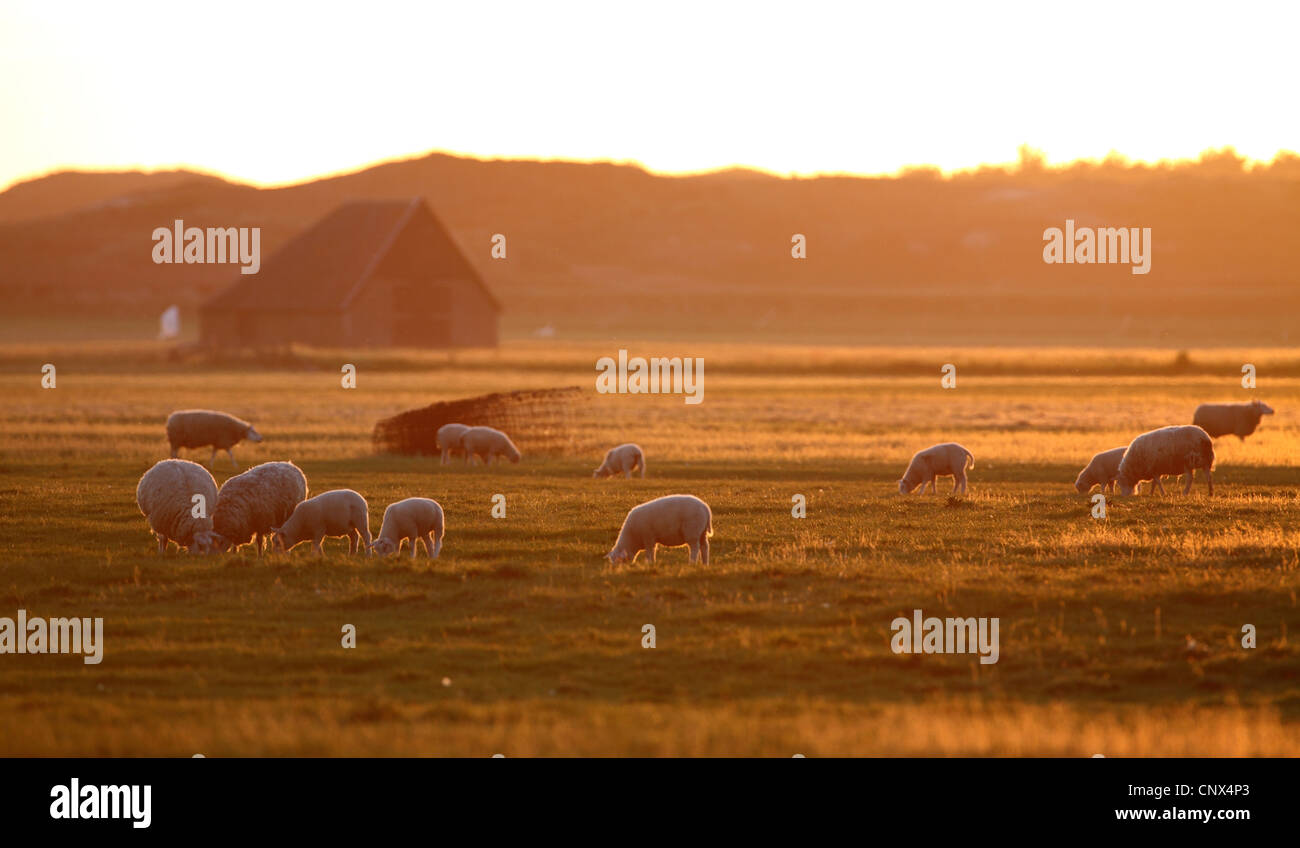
(327, 265)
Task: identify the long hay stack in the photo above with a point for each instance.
(539, 421)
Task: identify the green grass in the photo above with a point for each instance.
(521, 640)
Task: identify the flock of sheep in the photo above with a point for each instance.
(270, 500)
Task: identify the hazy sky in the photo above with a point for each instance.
(276, 92)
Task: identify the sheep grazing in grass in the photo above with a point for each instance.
(1101, 471)
(339, 512)
(1237, 419)
(449, 436)
(946, 460)
(623, 459)
(252, 503)
(672, 521)
(166, 495)
(487, 444)
(414, 519)
(1169, 450)
(201, 428)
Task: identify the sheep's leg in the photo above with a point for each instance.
(1160, 484)
(258, 542)
(415, 545)
(437, 545)
(1209, 480)
(1187, 486)
(650, 552)
(317, 546)
(353, 538)
(958, 482)
(704, 547)
(363, 533)
(692, 552)
(174, 451)
(627, 475)
(212, 460)
(162, 544)
(230, 452)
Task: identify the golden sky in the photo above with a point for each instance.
(272, 92)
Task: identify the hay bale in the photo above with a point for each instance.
(539, 421)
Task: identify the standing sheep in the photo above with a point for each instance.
(1239, 419)
(672, 521)
(1169, 450)
(946, 460)
(449, 436)
(338, 512)
(252, 503)
(167, 494)
(200, 428)
(488, 443)
(414, 519)
(625, 459)
(1101, 471)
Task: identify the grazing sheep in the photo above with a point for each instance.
(414, 519)
(672, 521)
(1239, 419)
(166, 493)
(200, 428)
(1100, 471)
(946, 460)
(338, 512)
(624, 458)
(488, 443)
(1169, 450)
(252, 503)
(449, 440)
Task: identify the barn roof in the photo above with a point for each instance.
(327, 265)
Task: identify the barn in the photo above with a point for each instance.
(371, 273)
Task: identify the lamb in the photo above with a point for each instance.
(252, 503)
(1239, 419)
(165, 495)
(946, 460)
(624, 458)
(339, 512)
(199, 428)
(414, 519)
(1169, 450)
(488, 443)
(1100, 471)
(449, 440)
(672, 521)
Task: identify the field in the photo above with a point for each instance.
(522, 640)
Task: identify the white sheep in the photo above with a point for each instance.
(449, 440)
(672, 521)
(1169, 450)
(1101, 471)
(414, 519)
(252, 503)
(488, 443)
(623, 459)
(946, 460)
(338, 512)
(201, 428)
(166, 495)
(1239, 419)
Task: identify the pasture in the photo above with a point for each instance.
(522, 640)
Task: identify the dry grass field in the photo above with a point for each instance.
(522, 640)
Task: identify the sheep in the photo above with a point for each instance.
(338, 512)
(165, 495)
(624, 458)
(199, 428)
(1239, 419)
(672, 521)
(414, 519)
(252, 503)
(1100, 471)
(946, 460)
(488, 443)
(449, 440)
(1169, 450)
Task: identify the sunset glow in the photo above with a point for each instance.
(275, 93)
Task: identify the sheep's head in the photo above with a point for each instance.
(513, 453)
(602, 471)
(219, 543)
(1261, 407)
(205, 542)
(1125, 487)
(252, 435)
(384, 547)
(1081, 486)
(278, 539)
(617, 556)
